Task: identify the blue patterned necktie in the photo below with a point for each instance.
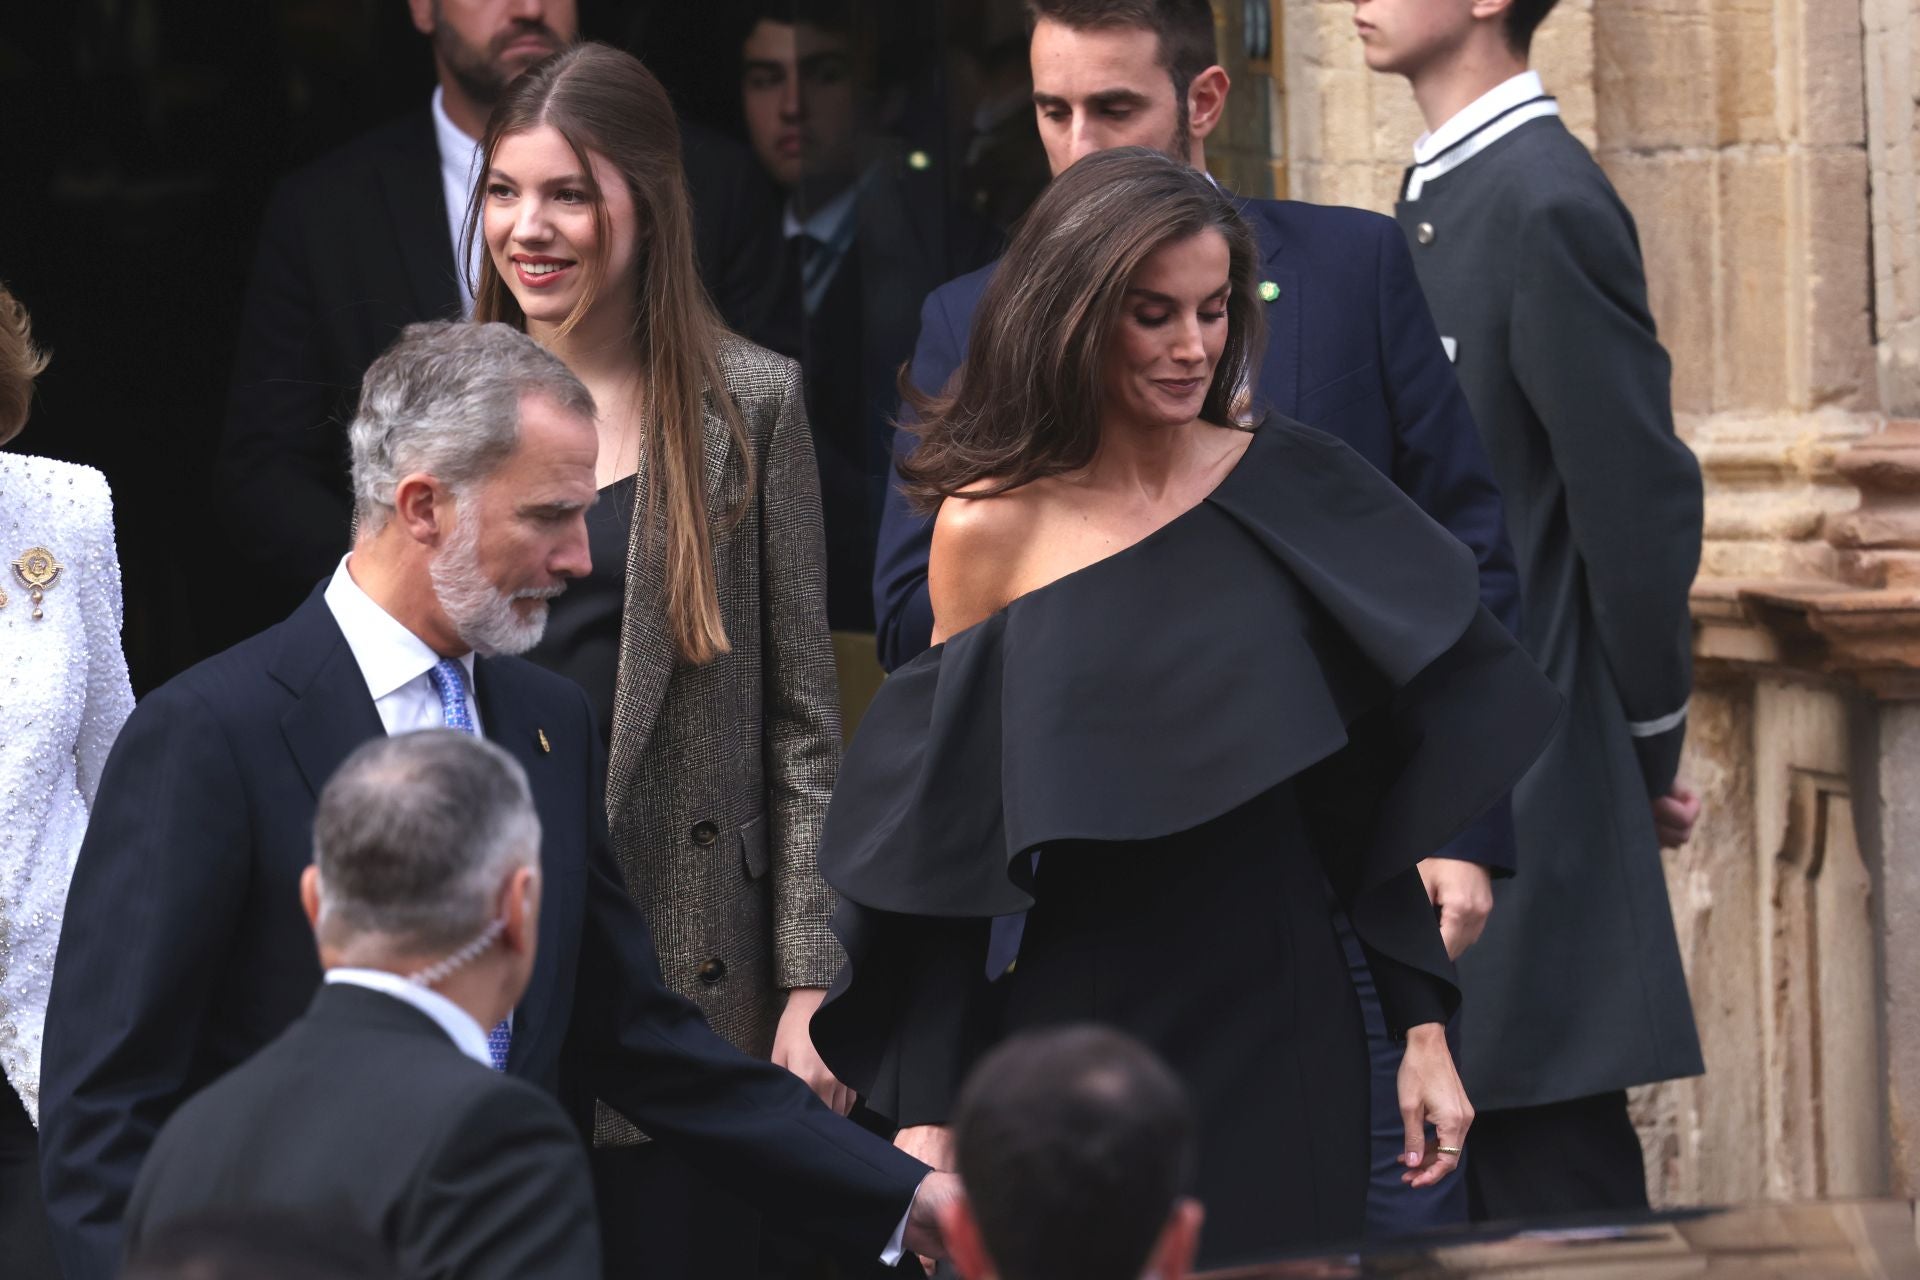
(450, 682)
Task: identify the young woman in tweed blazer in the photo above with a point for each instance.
(701, 634)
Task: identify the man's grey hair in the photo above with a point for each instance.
(414, 837)
(445, 399)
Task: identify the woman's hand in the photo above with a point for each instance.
(1431, 1094)
(930, 1144)
(1462, 895)
(793, 1049)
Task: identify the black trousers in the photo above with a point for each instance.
(1581, 1156)
(25, 1248)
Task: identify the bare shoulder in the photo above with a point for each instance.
(974, 566)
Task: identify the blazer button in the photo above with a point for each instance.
(712, 971)
(705, 833)
(1424, 233)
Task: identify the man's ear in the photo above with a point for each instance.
(421, 12)
(424, 508)
(1179, 1241)
(310, 895)
(520, 909)
(1207, 101)
(961, 1234)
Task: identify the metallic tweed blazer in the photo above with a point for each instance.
(719, 775)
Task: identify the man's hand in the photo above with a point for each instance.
(937, 1190)
(1674, 815)
(1462, 894)
(793, 1049)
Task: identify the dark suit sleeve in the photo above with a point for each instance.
(283, 460)
(902, 609)
(505, 1197)
(150, 918)
(748, 1124)
(736, 241)
(1440, 463)
(1584, 351)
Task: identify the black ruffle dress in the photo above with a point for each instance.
(1286, 693)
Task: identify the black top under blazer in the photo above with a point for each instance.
(363, 1114)
(184, 949)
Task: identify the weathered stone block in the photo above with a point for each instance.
(1665, 192)
(1840, 357)
(1650, 76)
(1757, 345)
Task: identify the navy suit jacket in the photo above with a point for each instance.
(1351, 349)
(184, 949)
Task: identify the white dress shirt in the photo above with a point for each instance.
(466, 1034)
(1477, 126)
(393, 660)
(832, 226)
(459, 166)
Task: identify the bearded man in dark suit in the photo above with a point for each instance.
(183, 950)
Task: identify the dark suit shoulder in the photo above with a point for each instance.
(1297, 220)
(407, 140)
(1541, 166)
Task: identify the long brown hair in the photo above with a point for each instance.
(1026, 402)
(603, 101)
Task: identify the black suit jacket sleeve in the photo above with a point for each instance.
(1585, 353)
(151, 914)
(748, 1124)
(902, 607)
(506, 1197)
(283, 461)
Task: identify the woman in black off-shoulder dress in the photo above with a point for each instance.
(1197, 684)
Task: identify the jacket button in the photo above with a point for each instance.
(1424, 233)
(712, 971)
(705, 833)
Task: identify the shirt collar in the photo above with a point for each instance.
(1503, 97)
(458, 152)
(824, 223)
(389, 655)
(467, 1035)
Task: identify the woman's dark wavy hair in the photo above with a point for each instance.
(1027, 401)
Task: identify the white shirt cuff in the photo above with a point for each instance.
(896, 1246)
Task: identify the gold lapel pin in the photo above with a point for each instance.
(37, 570)
(544, 745)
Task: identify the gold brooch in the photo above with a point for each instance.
(37, 570)
(543, 740)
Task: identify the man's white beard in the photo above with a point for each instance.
(481, 613)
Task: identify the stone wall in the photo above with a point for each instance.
(1768, 149)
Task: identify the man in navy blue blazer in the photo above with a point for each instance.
(1351, 349)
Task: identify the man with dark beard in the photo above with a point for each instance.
(183, 949)
(368, 240)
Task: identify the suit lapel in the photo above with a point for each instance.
(333, 713)
(515, 726)
(647, 652)
(1280, 370)
(417, 208)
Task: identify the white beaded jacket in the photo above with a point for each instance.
(63, 696)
